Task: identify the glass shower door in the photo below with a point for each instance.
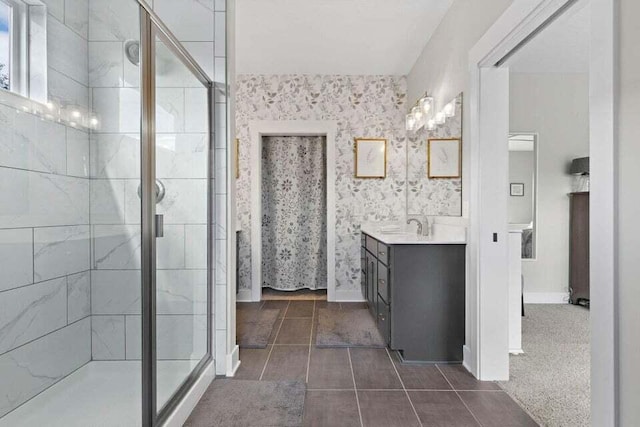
(182, 139)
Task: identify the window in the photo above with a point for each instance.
(5, 46)
(22, 43)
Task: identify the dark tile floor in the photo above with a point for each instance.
(370, 387)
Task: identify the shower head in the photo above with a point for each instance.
(132, 51)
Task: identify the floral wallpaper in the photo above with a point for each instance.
(363, 106)
(294, 205)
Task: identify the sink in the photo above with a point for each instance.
(394, 232)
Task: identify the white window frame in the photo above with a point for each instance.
(28, 45)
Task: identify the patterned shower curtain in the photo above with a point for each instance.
(294, 212)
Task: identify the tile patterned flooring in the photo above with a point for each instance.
(370, 387)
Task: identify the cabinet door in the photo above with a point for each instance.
(363, 273)
(372, 277)
(383, 283)
(383, 320)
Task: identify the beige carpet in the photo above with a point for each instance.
(551, 380)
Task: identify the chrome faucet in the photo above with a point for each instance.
(410, 220)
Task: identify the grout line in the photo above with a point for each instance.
(403, 387)
(381, 389)
(47, 388)
(264, 368)
(458, 394)
(46, 280)
(355, 388)
(125, 337)
(44, 335)
(313, 313)
(289, 345)
(33, 255)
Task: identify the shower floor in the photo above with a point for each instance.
(98, 394)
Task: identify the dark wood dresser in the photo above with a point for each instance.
(579, 249)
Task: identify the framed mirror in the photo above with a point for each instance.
(523, 176)
(436, 191)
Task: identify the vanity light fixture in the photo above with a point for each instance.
(440, 118)
(431, 124)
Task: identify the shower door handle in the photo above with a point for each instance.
(159, 225)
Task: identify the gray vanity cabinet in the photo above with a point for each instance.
(416, 294)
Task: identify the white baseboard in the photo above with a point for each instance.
(546, 298)
(233, 361)
(516, 351)
(349, 296)
(182, 411)
(244, 295)
(466, 357)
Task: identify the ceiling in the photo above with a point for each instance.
(563, 47)
(334, 36)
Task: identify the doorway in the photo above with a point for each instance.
(294, 230)
(299, 128)
(489, 128)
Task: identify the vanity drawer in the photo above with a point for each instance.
(383, 320)
(372, 245)
(383, 282)
(383, 253)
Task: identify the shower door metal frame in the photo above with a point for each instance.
(151, 27)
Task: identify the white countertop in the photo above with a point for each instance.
(442, 235)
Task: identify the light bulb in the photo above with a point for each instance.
(425, 104)
(410, 122)
(431, 124)
(450, 109)
(417, 113)
(440, 118)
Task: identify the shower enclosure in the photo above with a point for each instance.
(106, 224)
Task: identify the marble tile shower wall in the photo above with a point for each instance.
(181, 166)
(45, 327)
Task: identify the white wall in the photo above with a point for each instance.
(556, 106)
(521, 164)
(628, 213)
(442, 68)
